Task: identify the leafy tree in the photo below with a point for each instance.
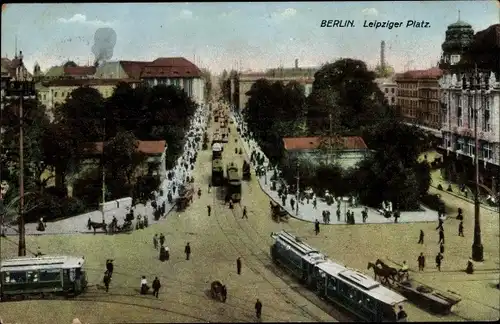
(358, 98)
(207, 76)
(122, 157)
(144, 188)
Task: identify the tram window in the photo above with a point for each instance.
(32, 276)
(370, 303)
(78, 273)
(342, 288)
(50, 275)
(332, 284)
(15, 277)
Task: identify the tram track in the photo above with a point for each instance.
(232, 236)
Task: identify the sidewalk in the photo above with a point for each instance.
(308, 213)
(78, 224)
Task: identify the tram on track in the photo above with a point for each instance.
(45, 276)
(233, 182)
(217, 172)
(354, 291)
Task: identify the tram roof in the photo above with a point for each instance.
(217, 147)
(296, 243)
(45, 262)
(364, 283)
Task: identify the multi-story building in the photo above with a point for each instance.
(176, 71)
(389, 88)
(418, 98)
(55, 92)
(458, 147)
(120, 70)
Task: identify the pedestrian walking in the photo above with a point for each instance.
(439, 259)
(258, 309)
(402, 316)
(421, 262)
(338, 215)
(316, 227)
(156, 287)
(292, 203)
(441, 236)
(187, 250)
(238, 265)
(199, 192)
(461, 229)
(441, 248)
(209, 187)
(364, 214)
(315, 203)
(209, 210)
(162, 239)
(110, 267)
(245, 212)
(144, 285)
(421, 237)
(283, 199)
(155, 241)
(106, 280)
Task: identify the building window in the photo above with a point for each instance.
(471, 145)
(459, 116)
(386, 90)
(392, 90)
(461, 144)
(487, 151)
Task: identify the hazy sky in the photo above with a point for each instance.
(221, 35)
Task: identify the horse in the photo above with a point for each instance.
(393, 271)
(95, 226)
(379, 272)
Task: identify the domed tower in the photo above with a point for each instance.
(37, 71)
(459, 37)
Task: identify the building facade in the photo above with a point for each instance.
(458, 145)
(55, 92)
(176, 71)
(389, 88)
(308, 149)
(418, 98)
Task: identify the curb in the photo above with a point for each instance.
(470, 201)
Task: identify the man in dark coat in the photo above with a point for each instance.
(162, 239)
(421, 237)
(156, 287)
(109, 267)
(238, 265)
(106, 280)
(316, 227)
(209, 210)
(258, 309)
(245, 212)
(187, 250)
(461, 229)
(421, 262)
(441, 236)
(439, 259)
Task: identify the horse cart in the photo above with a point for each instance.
(185, 196)
(421, 295)
(278, 213)
(427, 297)
(218, 291)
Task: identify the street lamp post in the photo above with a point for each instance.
(476, 88)
(266, 164)
(21, 88)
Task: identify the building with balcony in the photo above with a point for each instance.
(418, 98)
(463, 54)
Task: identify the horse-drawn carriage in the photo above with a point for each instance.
(185, 196)
(95, 225)
(278, 213)
(246, 170)
(419, 294)
(218, 291)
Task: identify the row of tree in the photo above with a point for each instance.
(57, 149)
(345, 101)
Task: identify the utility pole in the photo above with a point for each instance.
(103, 189)
(20, 88)
(330, 139)
(297, 193)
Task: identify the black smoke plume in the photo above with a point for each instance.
(104, 43)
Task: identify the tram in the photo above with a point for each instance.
(233, 182)
(217, 172)
(352, 290)
(217, 149)
(42, 276)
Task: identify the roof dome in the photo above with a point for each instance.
(459, 36)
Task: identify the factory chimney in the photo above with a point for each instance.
(382, 55)
(296, 63)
